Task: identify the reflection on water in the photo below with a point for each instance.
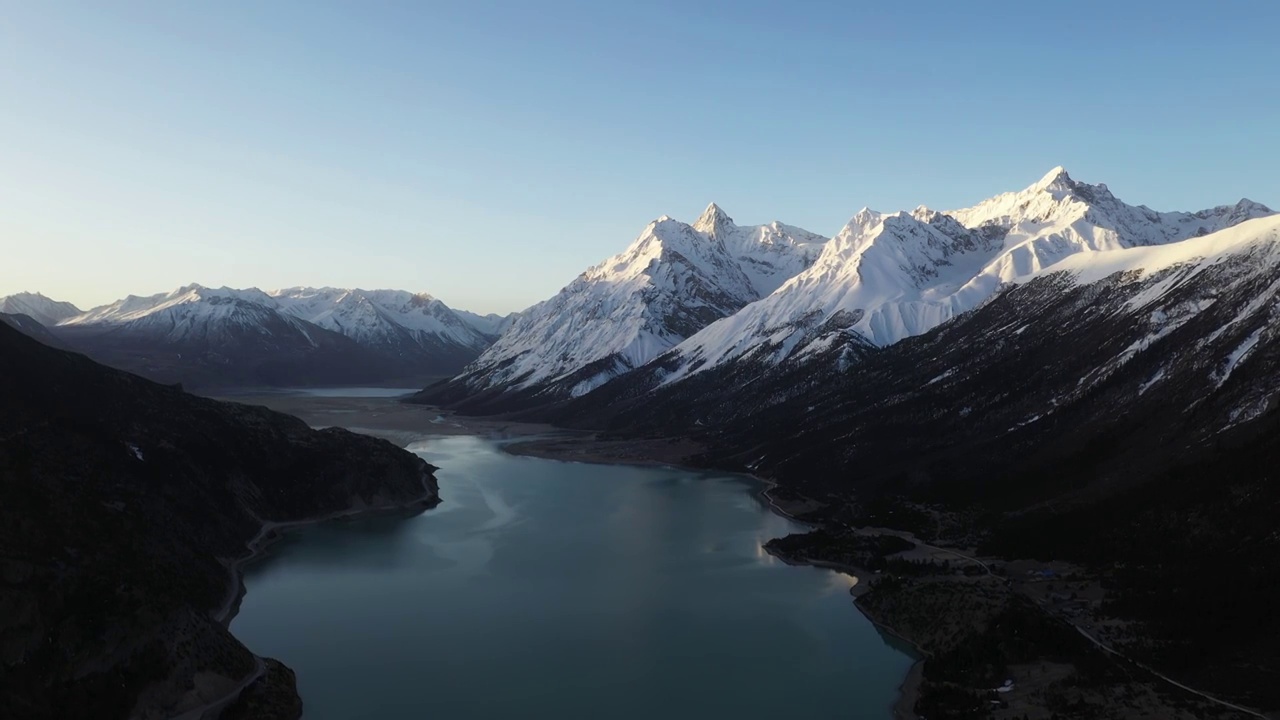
(558, 590)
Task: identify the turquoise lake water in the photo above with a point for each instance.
(542, 589)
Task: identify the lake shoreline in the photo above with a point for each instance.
(575, 447)
(268, 535)
(403, 422)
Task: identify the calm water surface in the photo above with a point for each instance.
(541, 589)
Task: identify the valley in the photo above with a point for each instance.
(957, 605)
(1019, 428)
(1100, 395)
(655, 359)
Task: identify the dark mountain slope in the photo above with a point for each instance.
(31, 327)
(122, 502)
(268, 349)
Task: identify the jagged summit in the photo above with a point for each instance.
(406, 321)
(773, 293)
(713, 221)
(1058, 177)
(666, 285)
(890, 276)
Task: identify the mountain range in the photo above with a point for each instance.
(679, 301)
(672, 281)
(299, 336)
(1050, 374)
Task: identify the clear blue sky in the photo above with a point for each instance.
(487, 152)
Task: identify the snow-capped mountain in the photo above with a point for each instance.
(43, 310)
(1113, 402)
(214, 336)
(192, 313)
(1181, 318)
(298, 336)
(672, 281)
(394, 321)
(887, 277)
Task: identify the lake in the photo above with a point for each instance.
(543, 589)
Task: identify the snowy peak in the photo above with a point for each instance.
(894, 251)
(1093, 218)
(383, 318)
(214, 301)
(886, 277)
(670, 282)
(294, 336)
(408, 327)
(43, 310)
(1056, 180)
(1231, 215)
(714, 221)
(662, 243)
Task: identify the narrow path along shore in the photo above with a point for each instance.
(911, 685)
(1088, 636)
(1217, 701)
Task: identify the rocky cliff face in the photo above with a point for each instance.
(124, 505)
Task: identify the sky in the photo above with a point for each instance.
(487, 152)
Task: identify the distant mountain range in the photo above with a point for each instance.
(38, 307)
(299, 336)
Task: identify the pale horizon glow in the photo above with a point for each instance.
(487, 152)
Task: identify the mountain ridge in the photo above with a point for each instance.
(884, 277)
(1120, 413)
(671, 281)
(901, 274)
(42, 309)
(296, 336)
